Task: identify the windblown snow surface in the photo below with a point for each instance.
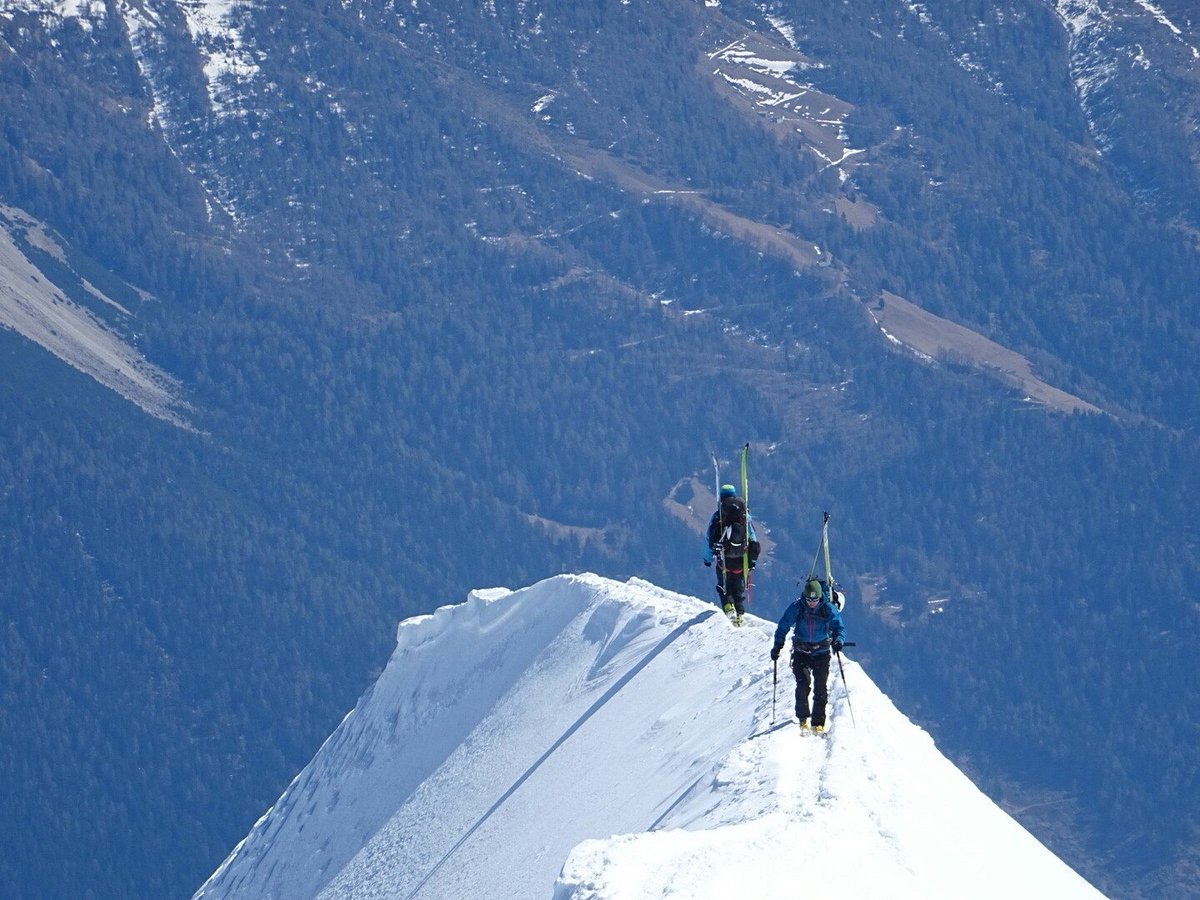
(583, 738)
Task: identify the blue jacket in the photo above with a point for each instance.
(814, 628)
(712, 523)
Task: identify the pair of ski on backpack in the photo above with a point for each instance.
(732, 544)
(731, 541)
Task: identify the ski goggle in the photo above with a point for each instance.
(812, 598)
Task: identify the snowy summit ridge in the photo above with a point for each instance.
(583, 738)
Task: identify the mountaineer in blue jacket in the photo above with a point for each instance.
(818, 630)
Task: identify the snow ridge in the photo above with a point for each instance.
(587, 739)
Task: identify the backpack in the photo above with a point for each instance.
(731, 537)
(838, 599)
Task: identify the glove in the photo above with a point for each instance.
(752, 564)
(837, 645)
(708, 563)
(775, 653)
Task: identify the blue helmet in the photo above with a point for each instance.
(728, 490)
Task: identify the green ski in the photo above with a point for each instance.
(746, 496)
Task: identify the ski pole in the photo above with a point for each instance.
(748, 585)
(838, 654)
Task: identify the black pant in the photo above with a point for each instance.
(731, 588)
(818, 665)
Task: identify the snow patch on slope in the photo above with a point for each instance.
(1162, 19)
(61, 9)
(213, 25)
(1087, 24)
(229, 70)
(229, 66)
(1099, 47)
(763, 76)
(214, 28)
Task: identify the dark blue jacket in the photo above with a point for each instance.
(815, 628)
(752, 538)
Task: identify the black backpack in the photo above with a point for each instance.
(730, 537)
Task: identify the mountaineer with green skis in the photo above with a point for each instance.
(732, 542)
